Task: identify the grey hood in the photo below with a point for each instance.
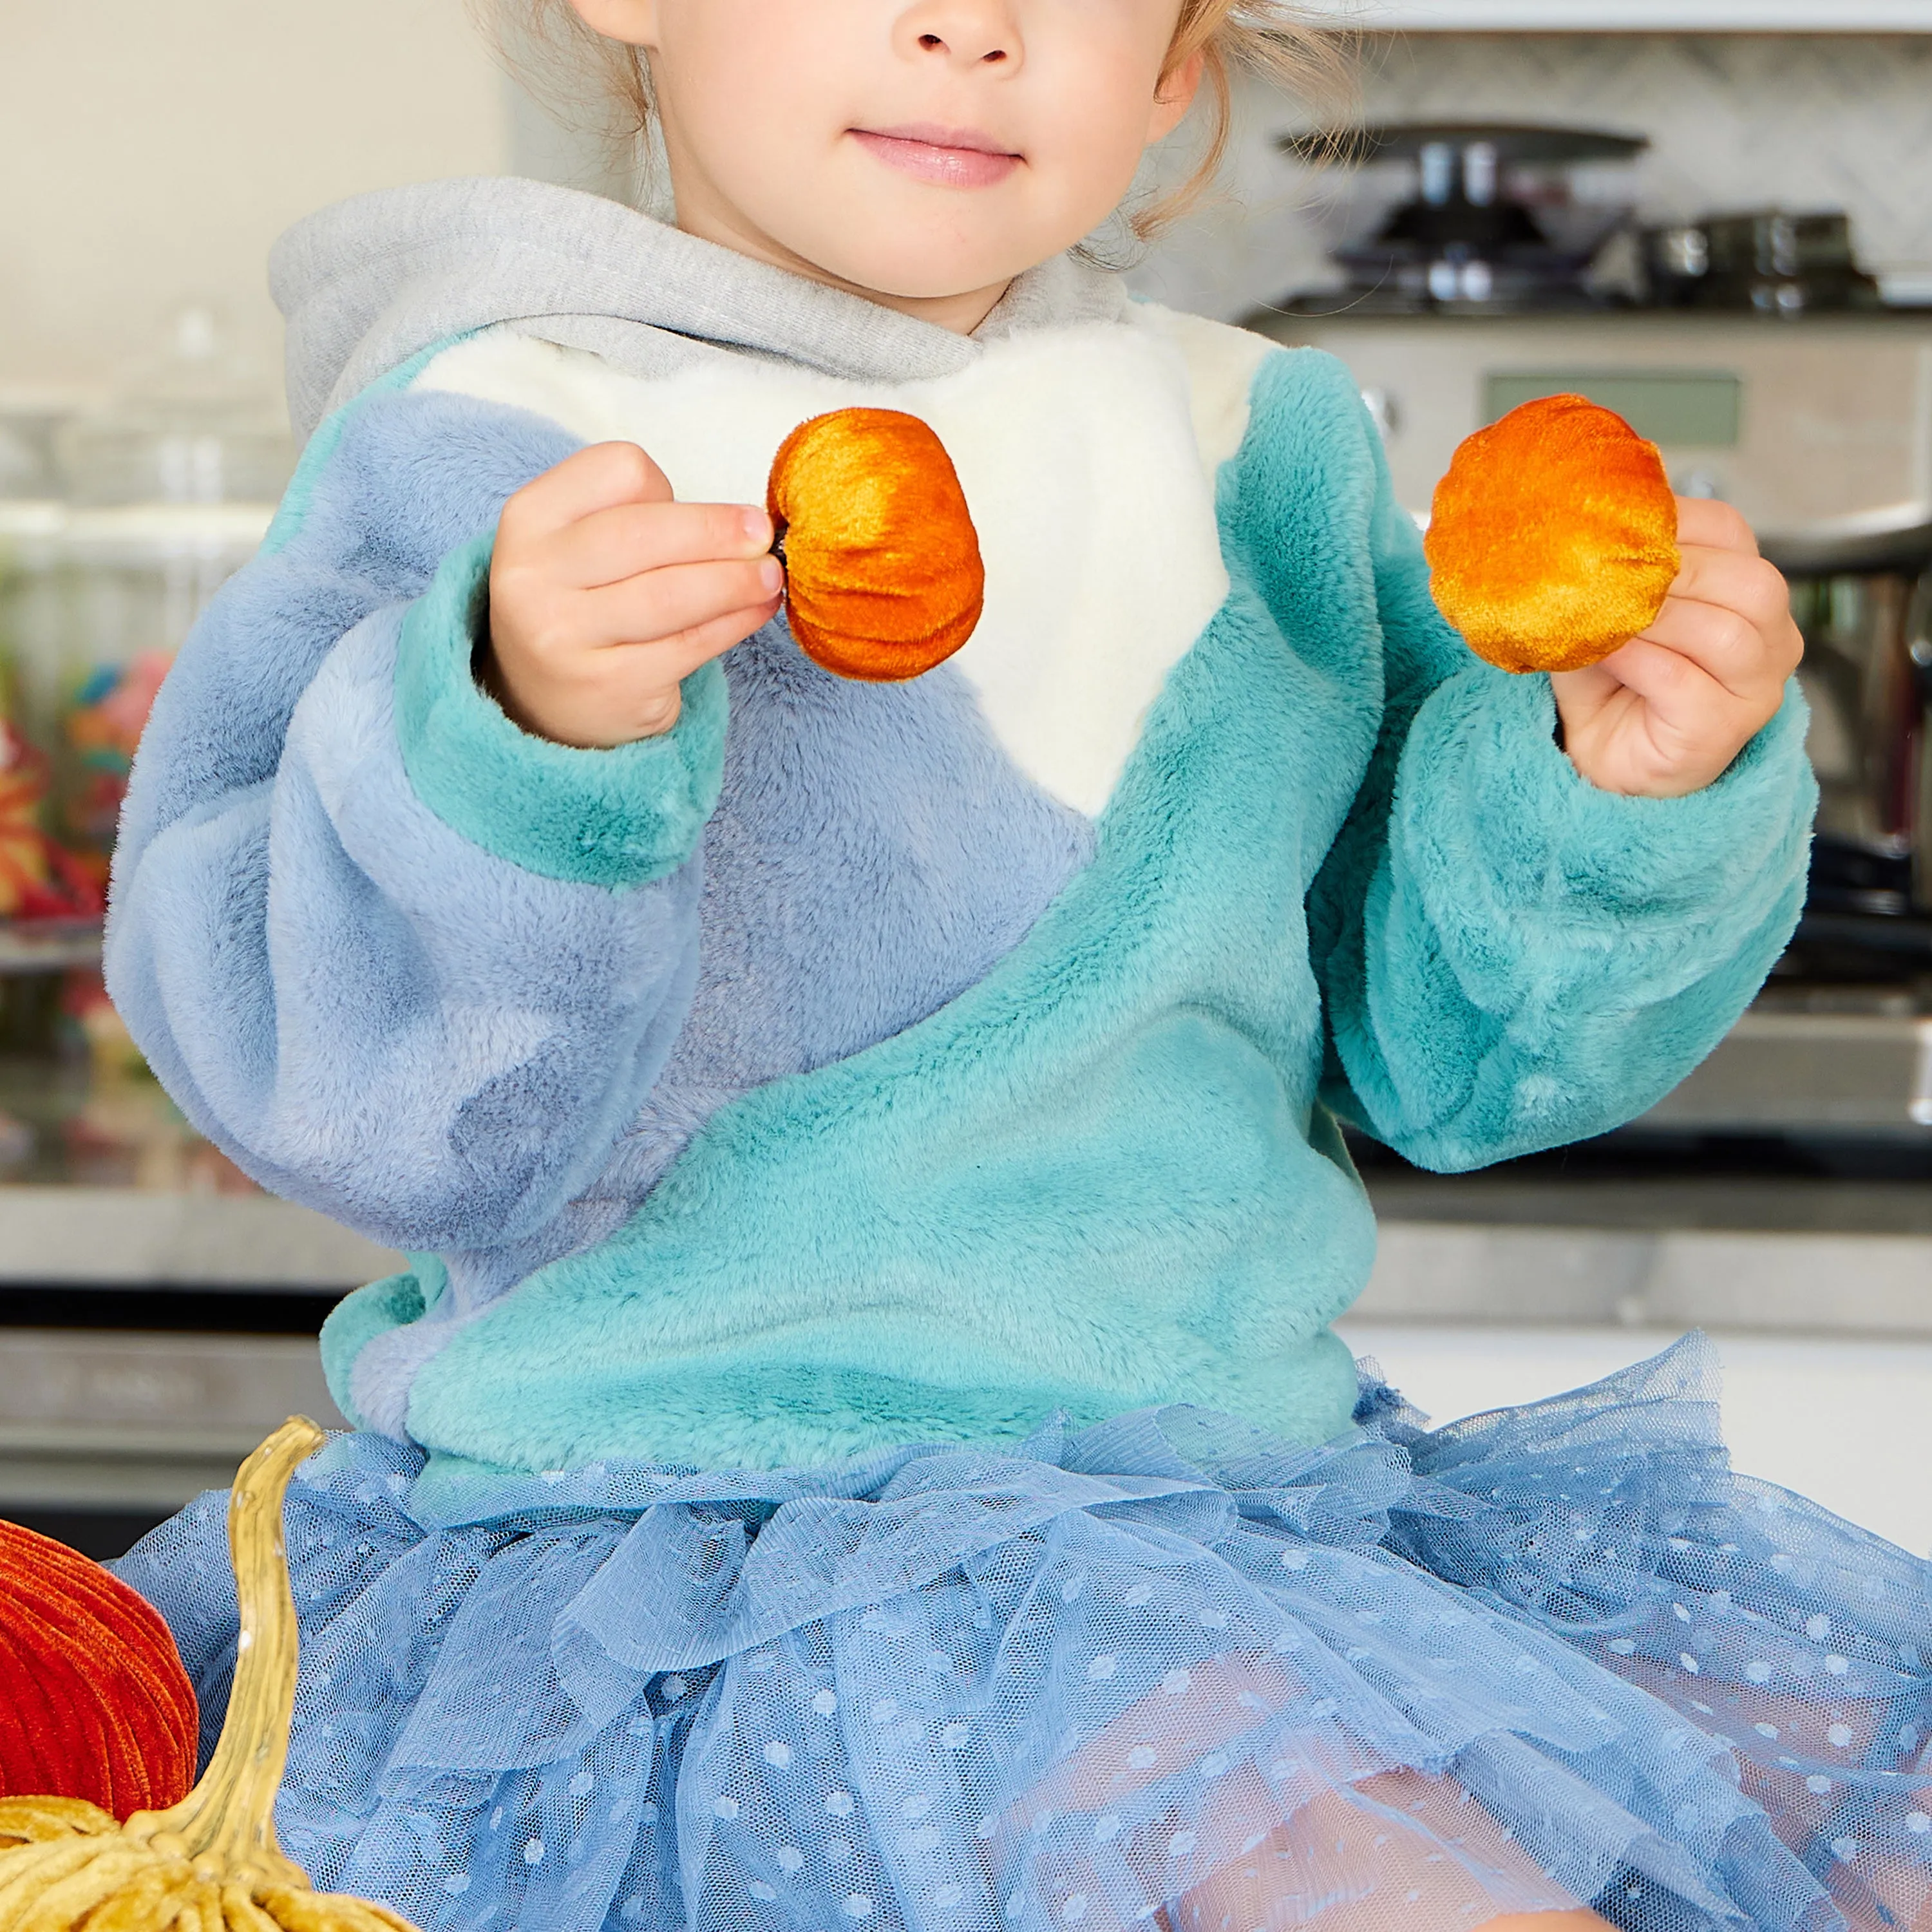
(369, 283)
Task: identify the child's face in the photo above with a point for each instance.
(911, 148)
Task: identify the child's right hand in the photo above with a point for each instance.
(605, 593)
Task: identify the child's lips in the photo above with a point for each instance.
(949, 157)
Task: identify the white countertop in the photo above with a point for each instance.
(1847, 1423)
(1780, 1280)
(1827, 1335)
(1509, 1265)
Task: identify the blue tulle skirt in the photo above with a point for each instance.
(1170, 1670)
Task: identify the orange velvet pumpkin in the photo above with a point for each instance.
(1554, 539)
(94, 1701)
(883, 578)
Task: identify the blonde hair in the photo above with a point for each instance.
(1263, 37)
(546, 43)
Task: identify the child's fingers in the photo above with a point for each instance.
(627, 539)
(593, 479)
(1722, 644)
(597, 698)
(1703, 521)
(672, 660)
(1674, 684)
(665, 603)
(1735, 581)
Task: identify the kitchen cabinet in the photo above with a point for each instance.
(1597, 16)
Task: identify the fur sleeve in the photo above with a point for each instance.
(404, 964)
(1512, 958)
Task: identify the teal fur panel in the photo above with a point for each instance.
(615, 818)
(1348, 870)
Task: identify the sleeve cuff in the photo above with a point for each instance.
(1516, 853)
(612, 818)
(358, 1319)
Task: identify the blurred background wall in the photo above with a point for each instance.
(1734, 121)
(151, 152)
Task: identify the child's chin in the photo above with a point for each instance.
(917, 271)
(924, 246)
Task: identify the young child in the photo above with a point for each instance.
(860, 1440)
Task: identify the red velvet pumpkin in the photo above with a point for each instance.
(94, 1701)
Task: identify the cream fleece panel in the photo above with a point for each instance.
(1088, 456)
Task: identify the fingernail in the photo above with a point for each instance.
(757, 526)
(771, 575)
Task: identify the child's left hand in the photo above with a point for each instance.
(1667, 713)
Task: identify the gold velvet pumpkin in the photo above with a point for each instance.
(883, 578)
(1554, 539)
(210, 1864)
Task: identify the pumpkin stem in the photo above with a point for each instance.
(231, 1813)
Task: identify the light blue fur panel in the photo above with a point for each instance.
(373, 1016)
(318, 453)
(1102, 1176)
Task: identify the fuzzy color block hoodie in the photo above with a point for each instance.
(859, 1064)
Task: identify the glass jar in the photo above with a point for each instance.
(169, 491)
(136, 578)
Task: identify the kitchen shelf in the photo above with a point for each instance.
(49, 946)
(1600, 16)
(98, 1237)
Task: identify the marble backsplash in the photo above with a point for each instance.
(1735, 120)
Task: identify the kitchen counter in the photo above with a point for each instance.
(1487, 1288)
(1737, 1253)
(1551, 1241)
(1824, 1283)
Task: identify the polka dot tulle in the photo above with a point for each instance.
(1168, 1671)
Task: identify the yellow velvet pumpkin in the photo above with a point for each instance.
(883, 578)
(1554, 538)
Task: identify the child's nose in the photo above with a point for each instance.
(974, 33)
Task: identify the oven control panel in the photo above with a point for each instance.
(1797, 422)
